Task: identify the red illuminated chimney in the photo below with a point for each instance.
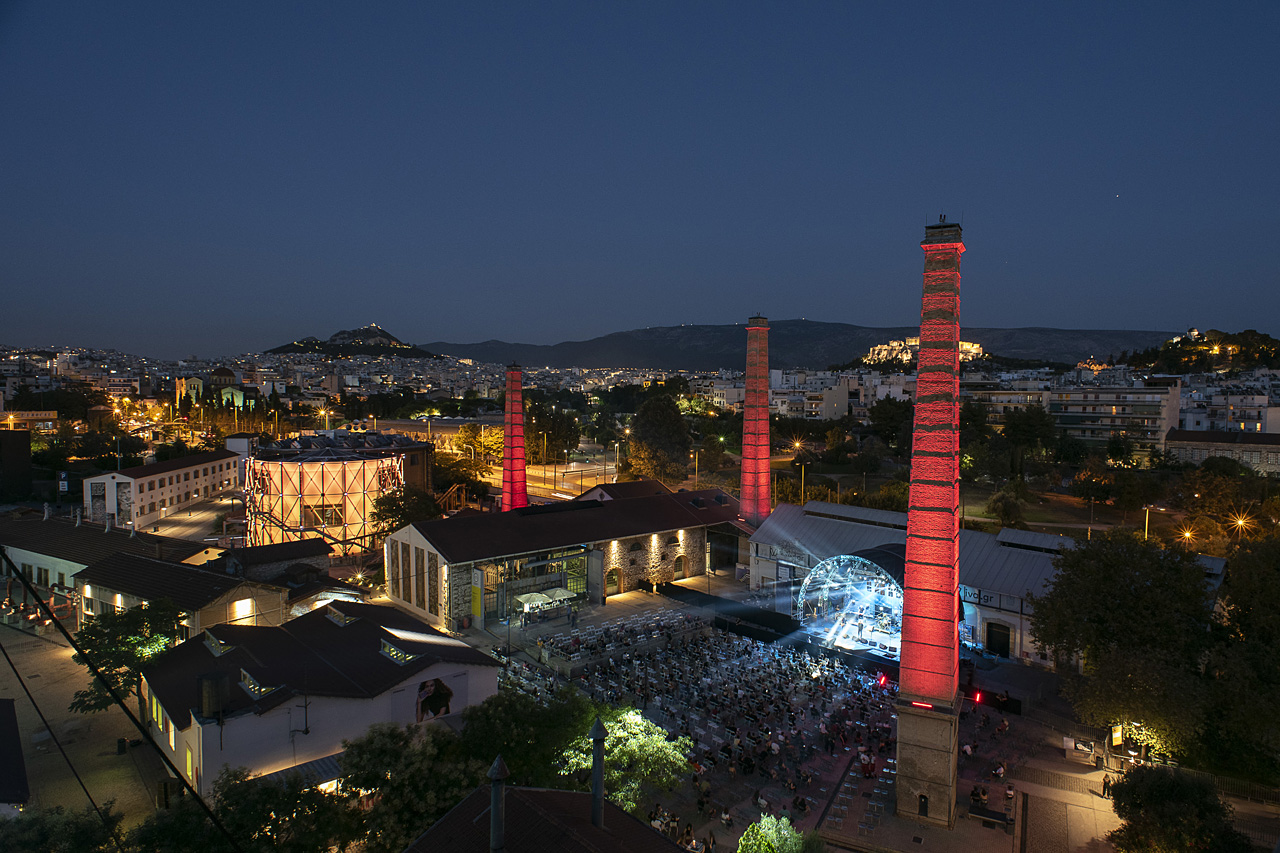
(755, 505)
(514, 493)
(928, 725)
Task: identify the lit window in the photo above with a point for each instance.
(242, 609)
(398, 655)
(251, 685)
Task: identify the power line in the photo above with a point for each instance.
(105, 822)
(115, 696)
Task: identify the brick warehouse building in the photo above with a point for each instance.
(606, 542)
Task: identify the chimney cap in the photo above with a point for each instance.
(499, 769)
(598, 731)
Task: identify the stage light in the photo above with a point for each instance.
(882, 680)
(977, 697)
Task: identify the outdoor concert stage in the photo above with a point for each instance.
(853, 604)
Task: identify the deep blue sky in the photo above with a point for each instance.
(212, 178)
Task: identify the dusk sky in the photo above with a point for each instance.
(214, 178)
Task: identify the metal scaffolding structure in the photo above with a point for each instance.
(327, 493)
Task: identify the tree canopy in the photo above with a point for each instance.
(1164, 811)
(660, 440)
(1138, 613)
(638, 758)
(119, 643)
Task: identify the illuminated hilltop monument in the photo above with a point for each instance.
(755, 425)
(928, 722)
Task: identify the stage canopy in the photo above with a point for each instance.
(854, 601)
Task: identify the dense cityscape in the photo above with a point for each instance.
(673, 556)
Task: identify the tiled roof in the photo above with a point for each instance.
(542, 528)
(540, 820)
(280, 552)
(182, 463)
(1022, 562)
(311, 654)
(189, 587)
(87, 543)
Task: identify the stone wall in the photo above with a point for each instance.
(642, 560)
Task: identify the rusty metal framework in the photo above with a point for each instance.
(327, 493)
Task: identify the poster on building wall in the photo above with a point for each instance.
(124, 503)
(434, 700)
(97, 501)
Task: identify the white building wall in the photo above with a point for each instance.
(276, 740)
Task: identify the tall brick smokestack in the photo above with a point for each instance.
(927, 700)
(756, 506)
(514, 492)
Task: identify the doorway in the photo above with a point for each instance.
(611, 582)
(998, 639)
(681, 565)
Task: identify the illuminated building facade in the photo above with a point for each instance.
(928, 725)
(514, 491)
(755, 425)
(327, 492)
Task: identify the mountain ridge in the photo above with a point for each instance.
(792, 344)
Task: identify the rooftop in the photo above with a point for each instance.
(188, 587)
(182, 463)
(535, 528)
(87, 543)
(335, 650)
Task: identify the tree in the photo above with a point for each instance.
(638, 758)
(1243, 665)
(415, 775)
(119, 644)
(530, 736)
(1139, 615)
(56, 830)
(776, 835)
(891, 422)
(292, 816)
(1029, 429)
(660, 440)
(393, 510)
(1168, 812)
(1006, 505)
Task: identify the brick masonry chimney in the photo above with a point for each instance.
(514, 490)
(756, 504)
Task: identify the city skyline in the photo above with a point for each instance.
(228, 179)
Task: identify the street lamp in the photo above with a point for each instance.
(1146, 521)
(694, 454)
(1242, 523)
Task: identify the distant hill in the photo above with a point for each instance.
(372, 340)
(792, 343)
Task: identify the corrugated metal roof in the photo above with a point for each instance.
(315, 772)
(809, 534)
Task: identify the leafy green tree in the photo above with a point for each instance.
(891, 422)
(416, 775)
(776, 835)
(56, 830)
(1120, 449)
(638, 759)
(1138, 614)
(1168, 812)
(711, 455)
(1029, 430)
(529, 735)
(292, 816)
(1006, 505)
(1243, 665)
(1093, 483)
(660, 440)
(119, 644)
(393, 510)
